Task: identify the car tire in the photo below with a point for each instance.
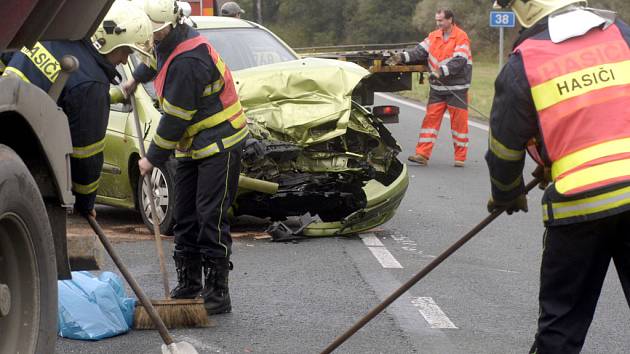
(164, 188)
(28, 276)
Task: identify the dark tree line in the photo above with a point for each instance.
(304, 23)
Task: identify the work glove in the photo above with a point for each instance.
(544, 175)
(435, 74)
(395, 59)
(145, 166)
(515, 205)
(128, 87)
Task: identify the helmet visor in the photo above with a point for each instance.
(158, 26)
(142, 48)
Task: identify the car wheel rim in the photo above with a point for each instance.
(160, 191)
(19, 287)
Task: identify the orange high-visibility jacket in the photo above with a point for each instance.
(451, 56)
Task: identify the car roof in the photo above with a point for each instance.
(217, 22)
(213, 22)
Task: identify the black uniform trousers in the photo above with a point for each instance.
(204, 192)
(575, 261)
(88, 127)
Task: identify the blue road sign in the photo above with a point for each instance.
(502, 19)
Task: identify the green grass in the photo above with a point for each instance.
(481, 91)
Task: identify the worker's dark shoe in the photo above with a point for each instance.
(419, 159)
(188, 276)
(215, 293)
(459, 163)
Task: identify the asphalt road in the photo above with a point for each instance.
(297, 297)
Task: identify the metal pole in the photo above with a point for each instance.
(259, 18)
(500, 48)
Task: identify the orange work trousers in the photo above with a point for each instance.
(438, 104)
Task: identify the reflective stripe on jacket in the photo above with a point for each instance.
(189, 144)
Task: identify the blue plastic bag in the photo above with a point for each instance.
(92, 308)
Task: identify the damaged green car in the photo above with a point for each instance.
(313, 149)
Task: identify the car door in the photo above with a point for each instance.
(114, 176)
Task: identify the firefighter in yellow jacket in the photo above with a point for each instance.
(565, 92)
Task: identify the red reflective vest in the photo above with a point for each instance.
(581, 90)
(232, 109)
(228, 96)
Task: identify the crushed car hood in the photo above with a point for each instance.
(292, 98)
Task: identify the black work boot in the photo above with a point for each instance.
(188, 276)
(215, 293)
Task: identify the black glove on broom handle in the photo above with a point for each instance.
(421, 274)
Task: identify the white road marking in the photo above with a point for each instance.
(199, 345)
(425, 305)
(422, 108)
(432, 313)
(371, 240)
(384, 257)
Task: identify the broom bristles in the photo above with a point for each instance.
(174, 313)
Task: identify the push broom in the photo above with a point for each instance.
(421, 274)
(176, 313)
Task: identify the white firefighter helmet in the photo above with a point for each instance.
(185, 8)
(124, 25)
(162, 13)
(528, 12)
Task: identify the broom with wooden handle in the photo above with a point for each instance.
(176, 313)
(421, 274)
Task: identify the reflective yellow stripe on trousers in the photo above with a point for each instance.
(83, 152)
(86, 188)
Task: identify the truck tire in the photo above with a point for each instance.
(28, 276)
(164, 185)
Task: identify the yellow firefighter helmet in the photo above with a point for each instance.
(162, 13)
(528, 12)
(124, 25)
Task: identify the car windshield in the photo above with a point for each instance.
(243, 48)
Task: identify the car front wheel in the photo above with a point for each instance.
(28, 268)
(163, 190)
